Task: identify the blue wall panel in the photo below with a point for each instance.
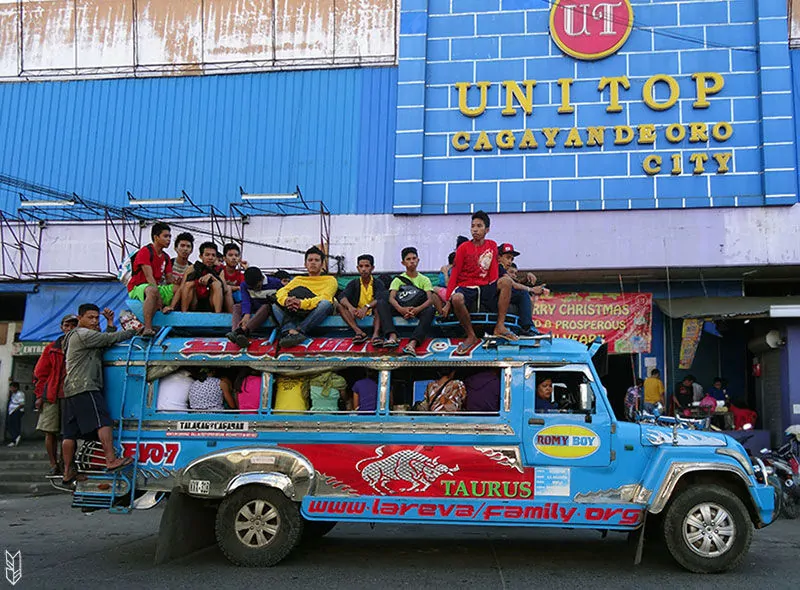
(329, 131)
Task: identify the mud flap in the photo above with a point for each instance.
(187, 525)
(639, 539)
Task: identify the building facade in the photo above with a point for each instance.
(628, 147)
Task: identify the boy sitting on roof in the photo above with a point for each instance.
(360, 298)
(184, 244)
(150, 282)
(305, 302)
(203, 289)
(520, 294)
(232, 274)
(258, 295)
(474, 284)
(411, 295)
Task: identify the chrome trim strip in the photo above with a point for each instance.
(741, 459)
(273, 480)
(275, 426)
(678, 470)
(314, 362)
(507, 389)
(384, 391)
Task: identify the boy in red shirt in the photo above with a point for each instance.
(232, 274)
(151, 280)
(474, 284)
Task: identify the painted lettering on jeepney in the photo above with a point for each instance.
(566, 442)
(447, 510)
(487, 489)
(153, 453)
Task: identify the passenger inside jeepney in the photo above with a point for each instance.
(365, 392)
(247, 389)
(558, 392)
(211, 391)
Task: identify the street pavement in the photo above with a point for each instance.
(63, 548)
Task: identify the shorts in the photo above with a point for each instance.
(83, 414)
(50, 418)
(485, 294)
(167, 292)
(237, 296)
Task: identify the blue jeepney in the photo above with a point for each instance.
(260, 480)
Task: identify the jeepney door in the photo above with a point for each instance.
(572, 426)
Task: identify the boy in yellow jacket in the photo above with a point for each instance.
(305, 302)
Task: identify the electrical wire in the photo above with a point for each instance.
(677, 36)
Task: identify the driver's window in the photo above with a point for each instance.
(562, 392)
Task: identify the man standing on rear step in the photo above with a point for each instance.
(48, 386)
(474, 284)
(85, 409)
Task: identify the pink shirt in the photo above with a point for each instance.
(250, 396)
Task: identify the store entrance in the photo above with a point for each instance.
(617, 381)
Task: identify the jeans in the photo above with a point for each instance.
(259, 315)
(14, 424)
(293, 321)
(522, 299)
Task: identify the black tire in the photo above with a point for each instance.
(703, 504)
(270, 539)
(791, 504)
(777, 485)
(316, 529)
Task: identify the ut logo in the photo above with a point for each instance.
(590, 29)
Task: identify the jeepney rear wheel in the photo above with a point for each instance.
(258, 526)
(707, 529)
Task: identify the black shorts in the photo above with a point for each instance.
(486, 295)
(83, 414)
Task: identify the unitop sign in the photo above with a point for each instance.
(590, 29)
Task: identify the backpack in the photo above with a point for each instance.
(126, 270)
(409, 295)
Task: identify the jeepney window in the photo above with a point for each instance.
(193, 389)
(350, 390)
(447, 389)
(561, 392)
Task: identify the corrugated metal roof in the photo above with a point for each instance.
(329, 131)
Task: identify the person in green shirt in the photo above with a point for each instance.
(411, 295)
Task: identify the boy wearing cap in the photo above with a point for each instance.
(475, 284)
(520, 294)
(258, 295)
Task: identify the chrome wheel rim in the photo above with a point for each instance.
(257, 523)
(709, 530)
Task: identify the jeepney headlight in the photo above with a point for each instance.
(741, 459)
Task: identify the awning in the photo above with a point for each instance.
(714, 308)
(44, 309)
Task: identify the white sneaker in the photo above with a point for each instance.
(12, 444)
(18, 440)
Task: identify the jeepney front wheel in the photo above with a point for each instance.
(707, 529)
(258, 526)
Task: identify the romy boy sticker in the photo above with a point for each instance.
(566, 442)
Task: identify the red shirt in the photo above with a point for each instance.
(234, 278)
(161, 265)
(474, 266)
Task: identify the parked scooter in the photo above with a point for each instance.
(783, 471)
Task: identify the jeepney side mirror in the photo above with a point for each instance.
(585, 398)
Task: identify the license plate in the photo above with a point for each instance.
(199, 486)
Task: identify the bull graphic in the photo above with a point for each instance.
(407, 466)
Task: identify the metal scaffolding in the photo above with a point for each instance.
(42, 208)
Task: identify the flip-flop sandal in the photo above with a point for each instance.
(462, 350)
(359, 339)
(69, 484)
(124, 463)
(391, 343)
(409, 350)
(378, 342)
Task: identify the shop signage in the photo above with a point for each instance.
(659, 93)
(622, 320)
(590, 29)
(29, 348)
(690, 339)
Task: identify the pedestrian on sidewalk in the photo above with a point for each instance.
(48, 386)
(16, 408)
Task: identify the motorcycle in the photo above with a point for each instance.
(783, 471)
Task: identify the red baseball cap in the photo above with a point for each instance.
(507, 249)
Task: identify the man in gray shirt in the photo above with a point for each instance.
(85, 409)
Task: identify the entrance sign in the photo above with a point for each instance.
(590, 29)
(622, 320)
